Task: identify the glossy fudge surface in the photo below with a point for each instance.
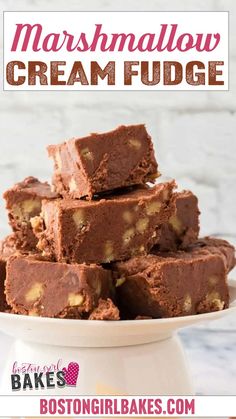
(102, 162)
(101, 231)
(23, 201)
(41, 288)
(175, 283)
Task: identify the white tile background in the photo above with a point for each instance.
(194, 135)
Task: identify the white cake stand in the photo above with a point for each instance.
(126, 357)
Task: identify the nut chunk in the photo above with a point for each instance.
(41, 288)
(102, 162)
(23, 201)
(174, 283)
(105, 230)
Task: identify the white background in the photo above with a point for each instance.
(194, 135)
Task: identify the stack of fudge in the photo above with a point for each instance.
(108, 242)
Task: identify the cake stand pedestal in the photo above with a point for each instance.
(149, 368)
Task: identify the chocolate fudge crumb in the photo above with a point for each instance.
(106, 310)
(103, 162)
(71, 313)
(143, 318)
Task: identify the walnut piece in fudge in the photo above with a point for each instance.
(182, 228)
(105, 230)
(41, 288)
(174, 283)
(106, 310)
(23, 201)
(103, 162)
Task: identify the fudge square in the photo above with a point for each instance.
(42, 288)
(101, 231)
(23, 201)
(102, 162)
(182, 228)
(175, 283)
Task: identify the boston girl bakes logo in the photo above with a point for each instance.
(115, 50)
(28, 376)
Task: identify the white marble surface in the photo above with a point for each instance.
(211, 351)
(211, 354)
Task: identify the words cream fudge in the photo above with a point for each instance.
(42, 288)
(102, 162)
(103, 230)
(23, 201)
(175, 283)
(182, 228)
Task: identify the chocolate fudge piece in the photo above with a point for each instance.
(106, 310)
(219, 247)
(3, 303)
(105, 230)
(173, 283)
(7, 249)
(41, 288)
(8, 246)
(23, 201)
(103, 162)
(182, 228)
